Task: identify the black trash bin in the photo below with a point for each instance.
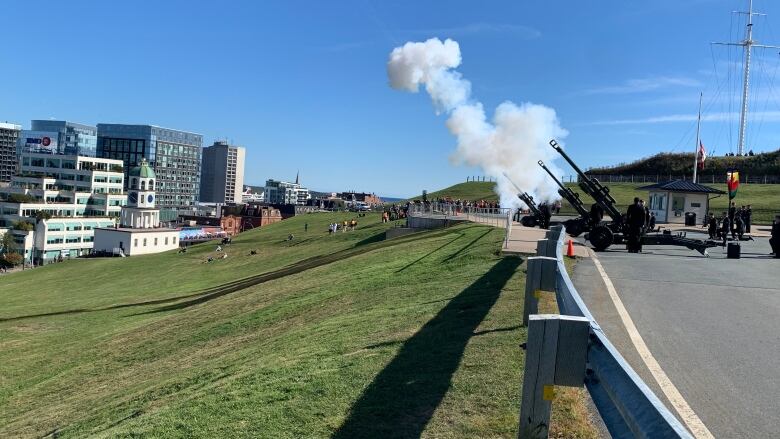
(734, 250)
(690, 218)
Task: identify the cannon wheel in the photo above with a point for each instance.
(528, 221)
(574, 227)
(601, 238)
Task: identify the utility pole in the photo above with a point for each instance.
(748, 44)
(698, 141)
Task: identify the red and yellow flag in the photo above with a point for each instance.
(732, 181)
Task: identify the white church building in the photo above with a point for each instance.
(139, 231)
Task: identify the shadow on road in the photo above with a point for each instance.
(404, 395)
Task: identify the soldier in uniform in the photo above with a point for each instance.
(712, 226)
(635, 220)
(774, 241)
(544, 208)
(725, 228)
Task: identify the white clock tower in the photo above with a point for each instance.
(140, 212)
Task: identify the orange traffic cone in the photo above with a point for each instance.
(570, 250)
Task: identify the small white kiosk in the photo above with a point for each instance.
(140, 231)
(671, 200)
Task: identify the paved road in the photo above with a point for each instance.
(713, 324)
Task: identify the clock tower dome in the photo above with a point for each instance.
(140, 211)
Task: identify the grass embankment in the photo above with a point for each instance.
(765, 198)
(340, 336)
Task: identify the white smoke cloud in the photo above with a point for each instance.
(512, 142)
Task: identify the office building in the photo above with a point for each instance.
(222, 173)
(282, 192)
(139, 230)
(9, 135)
(55, 202)
(59, 137)
(174, 155)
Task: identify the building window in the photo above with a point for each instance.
(135, 242)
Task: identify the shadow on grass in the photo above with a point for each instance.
(467, 246)
(404, 395)
(430, 253)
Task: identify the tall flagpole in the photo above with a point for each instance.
(698, 141)
(748, 44)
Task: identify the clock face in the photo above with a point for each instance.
(150, 198)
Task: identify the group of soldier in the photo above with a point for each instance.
(735, 222)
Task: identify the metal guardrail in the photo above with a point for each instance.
(492, 216)
(626, 404)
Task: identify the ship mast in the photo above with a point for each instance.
(748, 44)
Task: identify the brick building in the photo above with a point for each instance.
(364, 197)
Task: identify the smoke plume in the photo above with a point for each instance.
(512, 142)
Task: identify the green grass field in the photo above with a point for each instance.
(764, 198)
(323, 336)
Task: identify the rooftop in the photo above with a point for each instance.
(681, 186)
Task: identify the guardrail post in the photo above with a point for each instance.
(540, 279)
(555, 355)
(547, 247)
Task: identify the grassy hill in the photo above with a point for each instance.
(681, 163)
(321, 336)
(473, 190)
(765, 198)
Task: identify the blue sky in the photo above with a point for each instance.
(303, 84)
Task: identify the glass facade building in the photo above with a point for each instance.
(9, 134)
(72, 138)
(174, 155)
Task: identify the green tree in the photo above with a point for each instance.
(7, 244)
(23, 226)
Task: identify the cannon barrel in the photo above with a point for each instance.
(592, 187)
(569, 195)
(525, 197)
(529, 201)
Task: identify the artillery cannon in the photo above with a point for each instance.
(536, 216)
(575, 226)
(603, 234)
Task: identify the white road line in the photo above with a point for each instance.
(688, 416)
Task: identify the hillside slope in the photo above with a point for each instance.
(320, 336)
(472, 190)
